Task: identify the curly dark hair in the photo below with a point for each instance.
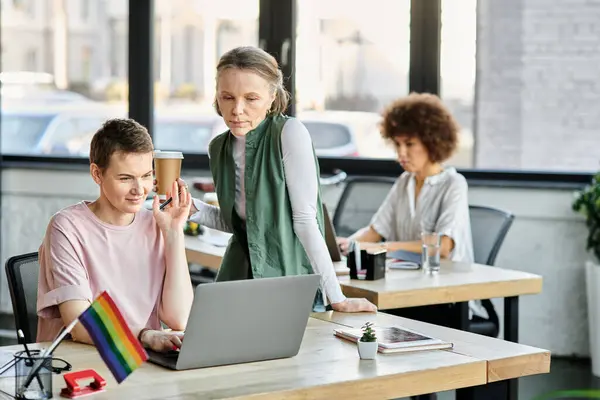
(424, 116)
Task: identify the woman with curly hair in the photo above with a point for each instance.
(428, 196)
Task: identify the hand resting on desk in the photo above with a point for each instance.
(351, 305)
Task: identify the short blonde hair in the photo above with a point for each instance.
(263, 64)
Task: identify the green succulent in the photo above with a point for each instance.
(368, 333)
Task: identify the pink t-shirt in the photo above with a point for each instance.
(81, 256)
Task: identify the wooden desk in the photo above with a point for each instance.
(202, 253)
(506, 361)
(456, 282)
(210, 256)
(325, 368)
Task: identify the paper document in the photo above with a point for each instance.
(215, 238)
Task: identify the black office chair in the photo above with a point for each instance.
(22, 272)
(489, 227)
(359, 202)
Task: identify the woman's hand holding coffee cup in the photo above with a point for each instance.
(183, 186)
(174, 216)
(180, 183)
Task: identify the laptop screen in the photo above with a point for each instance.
(330, 237)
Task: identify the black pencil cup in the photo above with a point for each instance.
(39, 385)
(372, 263)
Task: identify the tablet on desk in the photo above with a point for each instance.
(395, 339)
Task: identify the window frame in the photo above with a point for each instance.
(277, 27)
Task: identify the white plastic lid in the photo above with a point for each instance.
(167, 154)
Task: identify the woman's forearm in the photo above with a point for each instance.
(177, 295)
(413, 246)
(366, 235)
(209, 216)
(446, 246)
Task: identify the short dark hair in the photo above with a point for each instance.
(424, 116)
(119, 135)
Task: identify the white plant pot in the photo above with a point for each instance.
(367, 350)
(592, 281)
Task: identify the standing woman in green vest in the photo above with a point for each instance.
(266, 178)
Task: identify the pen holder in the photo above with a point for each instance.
(372, 264)
(40, 386)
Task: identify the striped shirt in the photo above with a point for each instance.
(442, 206)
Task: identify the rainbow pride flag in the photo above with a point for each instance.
(117, 346)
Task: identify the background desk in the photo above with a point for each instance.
(456, 283)
(210, 256)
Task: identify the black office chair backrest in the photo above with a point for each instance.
(489, 227)
(359, 202)
(22, 272)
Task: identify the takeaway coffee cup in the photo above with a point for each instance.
(167, 168)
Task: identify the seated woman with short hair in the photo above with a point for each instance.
(427, 197)
(115, 244)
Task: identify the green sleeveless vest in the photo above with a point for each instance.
(272, 245)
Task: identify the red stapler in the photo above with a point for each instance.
(73, 390)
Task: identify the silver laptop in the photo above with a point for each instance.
(330, 237)
(244, 321)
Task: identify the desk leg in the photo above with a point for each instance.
(462, 316)
(491, 391)
(511, 334)
(511, 319)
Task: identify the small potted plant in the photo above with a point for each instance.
(367, 345)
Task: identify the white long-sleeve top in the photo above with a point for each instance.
(302, 185)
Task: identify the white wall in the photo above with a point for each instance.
(547, 238)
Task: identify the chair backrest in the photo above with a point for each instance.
(489, 227)
(359, 202)
(22, 272)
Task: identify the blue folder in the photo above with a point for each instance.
(405, 256)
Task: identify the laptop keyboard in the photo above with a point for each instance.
(168, 359)
(172, 354)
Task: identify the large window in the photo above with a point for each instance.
(64, 71)
(457, 72)
(520, 79)
(188, 43)
(352, 59)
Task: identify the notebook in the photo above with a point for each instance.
(393, 339)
